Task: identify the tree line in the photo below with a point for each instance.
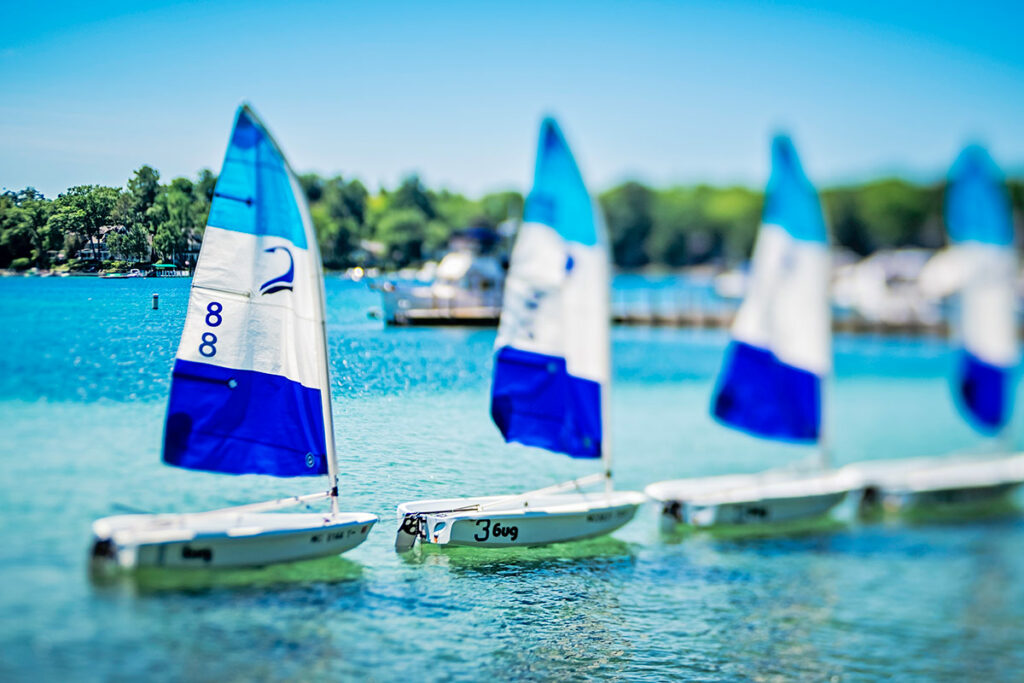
(680, 226)
(147, 221)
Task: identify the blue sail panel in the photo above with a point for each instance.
(254, 190)
(559, 198)
(760, 395)
(790, 199)
(536, 402)
(984, 393)
(977, 203)
(243, 422)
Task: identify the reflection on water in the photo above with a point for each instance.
(678, 533)
(601, 551)
(109, 580)
(1002, 508)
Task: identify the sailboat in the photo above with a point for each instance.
(776, 366)
(250, 390)
(981, 264)
(551, 374)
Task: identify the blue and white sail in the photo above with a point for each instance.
(250, 391)
(771, 382)
(552, 352)
(980, 225)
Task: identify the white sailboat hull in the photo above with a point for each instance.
(772, 497)
(487, 522)
(950, 481)
(226, 540)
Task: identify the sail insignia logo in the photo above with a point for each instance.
(281, 282)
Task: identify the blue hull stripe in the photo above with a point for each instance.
(761, 395)
(536, 402)
(243, 422)
(984, 392)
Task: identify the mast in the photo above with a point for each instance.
(606, 398)
(325, 371)
(606, 423)
(824, 452)
(325, 400)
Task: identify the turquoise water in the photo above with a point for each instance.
(83, 381)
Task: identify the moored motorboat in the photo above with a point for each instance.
(465, 287)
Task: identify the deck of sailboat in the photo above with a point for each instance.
(939, 473)
(161, 528)
(545, 504)
(731, 488)
(226, 539)
(525, 520)
(745, 499)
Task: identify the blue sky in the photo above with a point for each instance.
(662, 92)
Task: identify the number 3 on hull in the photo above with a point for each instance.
(250, 392)
(551, 374)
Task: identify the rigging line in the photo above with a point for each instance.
(247, 201)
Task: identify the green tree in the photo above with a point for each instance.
(14, 242)
(24, 227)
(411, 194)
(134, 212)
(453, 212)
(83, 210)
(339, 218)
(679, 232)
(131, 241)
(312, 186)
(896, 211)
(403, 232)
(205, 185)
(734, 214)
(177, 217)
(842, 212)
(502, 206)
(627, 209)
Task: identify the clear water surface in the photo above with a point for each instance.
(83, 384)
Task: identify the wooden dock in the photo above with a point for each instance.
(723, 319)
(695, 318)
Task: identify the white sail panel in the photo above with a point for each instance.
(787, 308)
(270, 333)
(549, 309)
